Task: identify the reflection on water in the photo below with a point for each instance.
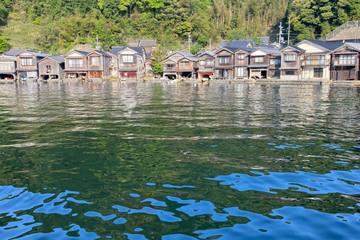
(179, 161)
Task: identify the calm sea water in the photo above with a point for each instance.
(179, 161)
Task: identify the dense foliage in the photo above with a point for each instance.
(68, 22)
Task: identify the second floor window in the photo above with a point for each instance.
(347, 59)
(275, 61)
(27, 61)
(76, 63)
(48, 68)
(241, 57)
(128, 59)
(290, 57)
(95, 61)
(259, 59)
(224, 60)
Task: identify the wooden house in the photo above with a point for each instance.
(76, 64)
(99, 63)
(131, 62)
(180, 65)
(206, 64)
(27, 64)
(7, 67)
(265, 63)
(291, 57)
(224, 63)
(345, 62)
(315, 63)
(8, 64)
(52, 67)
(241, 63)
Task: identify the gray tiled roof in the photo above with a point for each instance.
(58, 58)
(116, 49)
(14, 52)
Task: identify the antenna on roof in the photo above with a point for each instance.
(98, 47)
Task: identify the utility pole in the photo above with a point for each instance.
(189, 41)
(289, 30)
(280, 33)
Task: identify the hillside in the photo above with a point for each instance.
(58, 25)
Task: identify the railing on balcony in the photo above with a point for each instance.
(315, 61)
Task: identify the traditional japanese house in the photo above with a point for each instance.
(131, 62)
(224, 63)
(27, 64)
(206, 63)
(99, 63)
(241, 63)
(76, 64)
(180, 64)
(291, 63)
(8, 64)
(315, 63)
(52, 67)
(265, 63)
(345, 62)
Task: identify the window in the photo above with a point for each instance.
(290, 57)
(318, 72)
(241, 56)
(48, 68)
(290, 72)
(224, 60)
(202, 63)
(275, 61)
(347, 60)
(128, 59)
(169, 66)
(95, 61)
(259, 59)
(321, 59)
(76, 63)
(28, 61)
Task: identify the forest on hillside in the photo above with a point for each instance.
(65, 23)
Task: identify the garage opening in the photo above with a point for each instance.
(7, 77)
(264, 74)
(186, 74)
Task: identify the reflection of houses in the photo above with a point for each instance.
(206, 62)
(52, 67)
(180, 64)
(345, 62)
(265, 63)
(291, 63)
(76, 64)
(131, 62)
(27, 64)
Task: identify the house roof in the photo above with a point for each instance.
(116, 49)
(14, 52)
(37, 54)
(58, 58)
(352, 45)
(210, 53)
(268, 50)
(293, 47)
(330, 45)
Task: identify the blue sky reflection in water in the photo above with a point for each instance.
(179, 161)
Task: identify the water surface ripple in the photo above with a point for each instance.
(179, 161)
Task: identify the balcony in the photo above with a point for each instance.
(315, 61)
